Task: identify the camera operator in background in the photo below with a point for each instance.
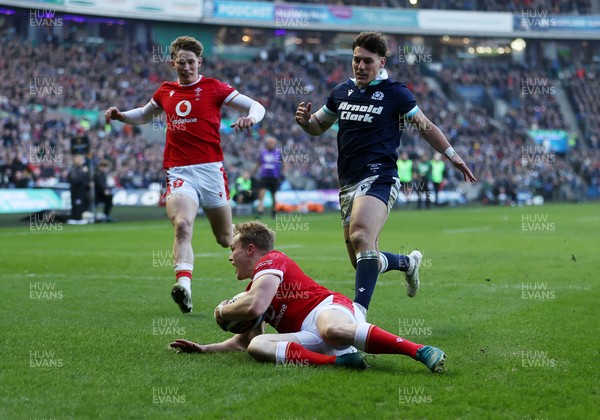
(103, 184)
(79, 178)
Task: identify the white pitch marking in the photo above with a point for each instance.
(467, 230)
(222, 253)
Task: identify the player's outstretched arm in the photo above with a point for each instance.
(253, 304)
(311, 123)
(135, 116)
(238, 342)
(436, 139)
(246, 105)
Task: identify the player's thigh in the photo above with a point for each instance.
(181, 208)
(312, 339)
(369, 215)
(210, 182)
(221, 223)
(182, 199)
(276, 338)
(337, 325)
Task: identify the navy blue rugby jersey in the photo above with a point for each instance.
(369, 127)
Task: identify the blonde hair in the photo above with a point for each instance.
(256, 233)
(187, 43)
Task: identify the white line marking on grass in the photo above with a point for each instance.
(467, 230)
(111, 277)
(290, 246)
(29, 275)
(495, 284)
(313, 258)
(81, 229)
(212, 254)
(222, 253)
(588, 219)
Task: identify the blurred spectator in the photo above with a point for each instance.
(438, 168)
(79, 182)
(270, 171)
(103, 184)
(242, 192)
(423, 177)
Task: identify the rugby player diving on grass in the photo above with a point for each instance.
(316, 326)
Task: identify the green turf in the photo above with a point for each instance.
(515, 310)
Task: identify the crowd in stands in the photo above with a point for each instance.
(568, 7)
(36, 132)
(580, 7)
(583, 86)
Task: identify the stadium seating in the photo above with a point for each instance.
(553, 6)
(93, 78)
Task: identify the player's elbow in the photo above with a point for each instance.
(256, 309)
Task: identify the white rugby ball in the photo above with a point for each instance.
(242, 326)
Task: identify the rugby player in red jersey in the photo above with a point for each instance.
(193, 158)
(316, 326)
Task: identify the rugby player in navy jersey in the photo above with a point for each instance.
(371, 110)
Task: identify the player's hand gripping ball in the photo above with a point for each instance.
(239, 327)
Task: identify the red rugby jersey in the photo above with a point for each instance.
(296, 295)
(193, 116)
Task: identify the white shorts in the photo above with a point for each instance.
(309, 334)
(205, 183)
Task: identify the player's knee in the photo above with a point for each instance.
(183, 228)
(332, 334)
(224, 239)
(253, 348)
(359, 238)
(256, 349)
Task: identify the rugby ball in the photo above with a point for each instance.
(240, 327)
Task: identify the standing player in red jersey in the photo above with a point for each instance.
(193, 158)
(316, 325)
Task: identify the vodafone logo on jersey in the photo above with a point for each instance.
(186, 105)
(183, 108)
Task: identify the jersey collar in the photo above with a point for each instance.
(192, 84)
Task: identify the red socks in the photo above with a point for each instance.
(183, 273)
(369, 338)
(372, 339)
(295, 354)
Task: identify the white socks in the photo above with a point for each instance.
(186, 282)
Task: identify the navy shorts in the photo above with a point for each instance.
(386, 190)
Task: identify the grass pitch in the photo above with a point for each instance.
(510, 294)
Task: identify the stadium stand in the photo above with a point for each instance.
(578, 7)
(553, 6)
(94, 77)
